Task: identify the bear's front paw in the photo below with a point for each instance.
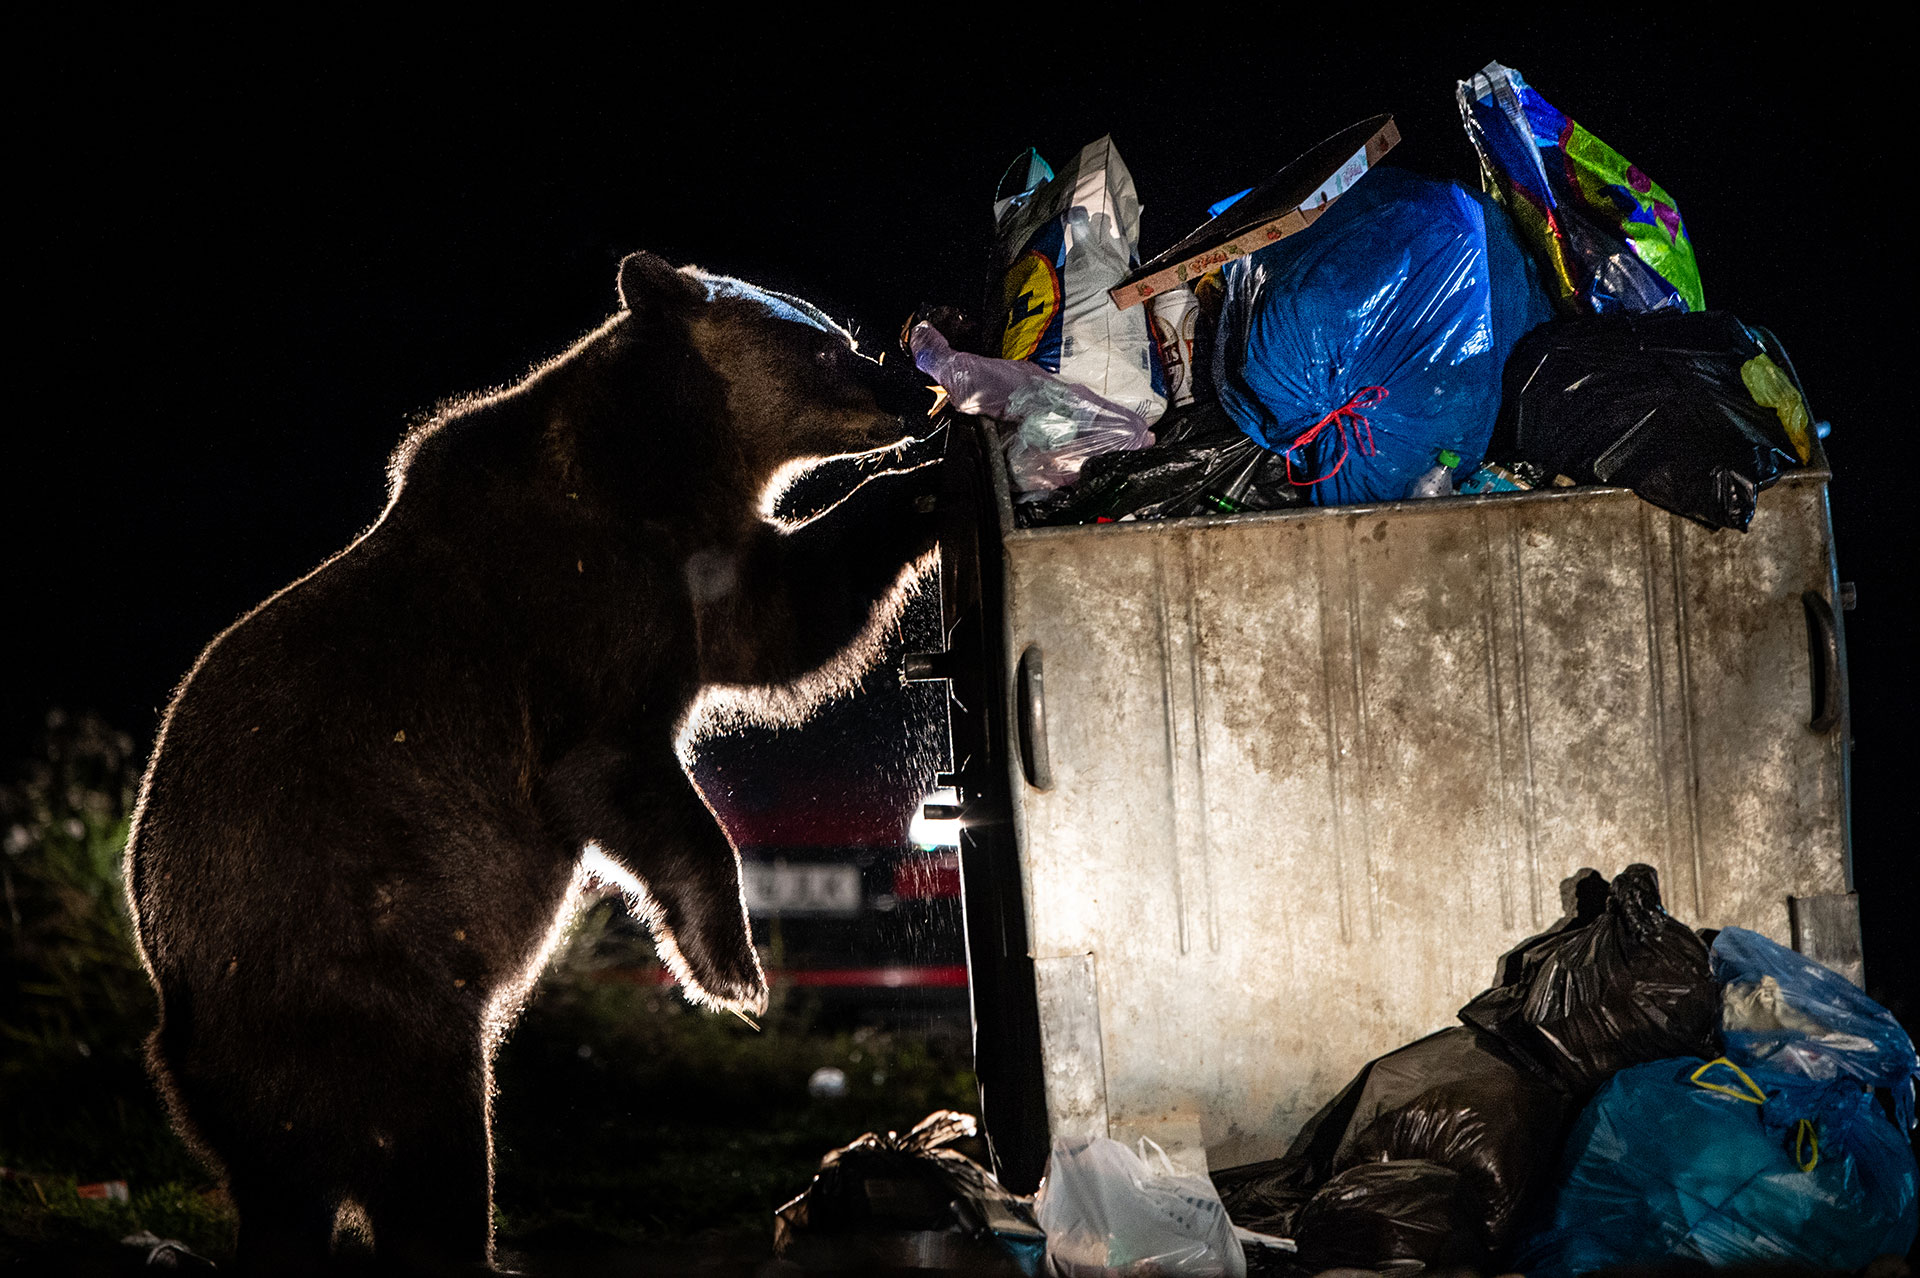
(724, 978)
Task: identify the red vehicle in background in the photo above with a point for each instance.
(853, 893)
(859, 903)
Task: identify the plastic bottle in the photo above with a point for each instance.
(1437, 482)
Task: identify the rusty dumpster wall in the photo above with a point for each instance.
(1308, 774)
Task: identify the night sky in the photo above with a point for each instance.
(242, 266)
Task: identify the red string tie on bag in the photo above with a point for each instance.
(1349, 423)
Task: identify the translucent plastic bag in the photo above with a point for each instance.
(1057, 425)
(1706, 1161)
(1787, 1013)
(1108, 1211)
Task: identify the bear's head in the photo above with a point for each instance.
(796, 389)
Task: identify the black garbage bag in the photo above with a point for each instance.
(1621, 983)
(1694, 412)
(1403, 1217)
(1457, 1099)
(1200, 463)
(907, 1200)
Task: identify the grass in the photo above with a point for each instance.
(624, 1111)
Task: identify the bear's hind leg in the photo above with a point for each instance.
(429, 1197)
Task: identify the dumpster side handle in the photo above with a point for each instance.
(1823, 659)
(1030, 690)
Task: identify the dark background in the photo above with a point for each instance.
(242, 264)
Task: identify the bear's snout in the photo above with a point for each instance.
(903, 390)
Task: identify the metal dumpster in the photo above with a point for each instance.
(1283, 787)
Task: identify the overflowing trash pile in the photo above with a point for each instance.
(1349, 332)
(1628, 1092)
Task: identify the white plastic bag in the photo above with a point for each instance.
(1058, 425)
(1108, 1211)
(1062, 241)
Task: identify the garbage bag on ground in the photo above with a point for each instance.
(1109, 1211)
(1695, 413)
(1782, 1011)
(875, 1200)
(1199, 464)
(1456, 1099)
(1365, 344)
(1056, 425)
(1610, 237)
(1403, 1216)
(1621, 983)
(1062, 240)
(1707, 1161)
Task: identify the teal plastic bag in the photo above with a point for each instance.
(1698, 1160)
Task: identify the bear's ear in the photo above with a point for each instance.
(649, 286)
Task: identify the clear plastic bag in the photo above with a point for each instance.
(1056, 424)
(1109, 1211)
(1781, 1010)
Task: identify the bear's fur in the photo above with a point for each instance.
(365, 816)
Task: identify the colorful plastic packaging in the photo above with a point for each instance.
(1609, 236)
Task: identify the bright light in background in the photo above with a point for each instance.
(923, 833)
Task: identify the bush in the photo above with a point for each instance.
(75, 1009)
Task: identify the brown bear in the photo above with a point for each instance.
(374, 797)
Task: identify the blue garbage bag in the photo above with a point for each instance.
(1369, 342)
(1708, 1161)
(1791, 1015)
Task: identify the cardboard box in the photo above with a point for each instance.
(1283, 205)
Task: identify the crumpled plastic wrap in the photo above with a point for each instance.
(1056, 425)
(1198, 464)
